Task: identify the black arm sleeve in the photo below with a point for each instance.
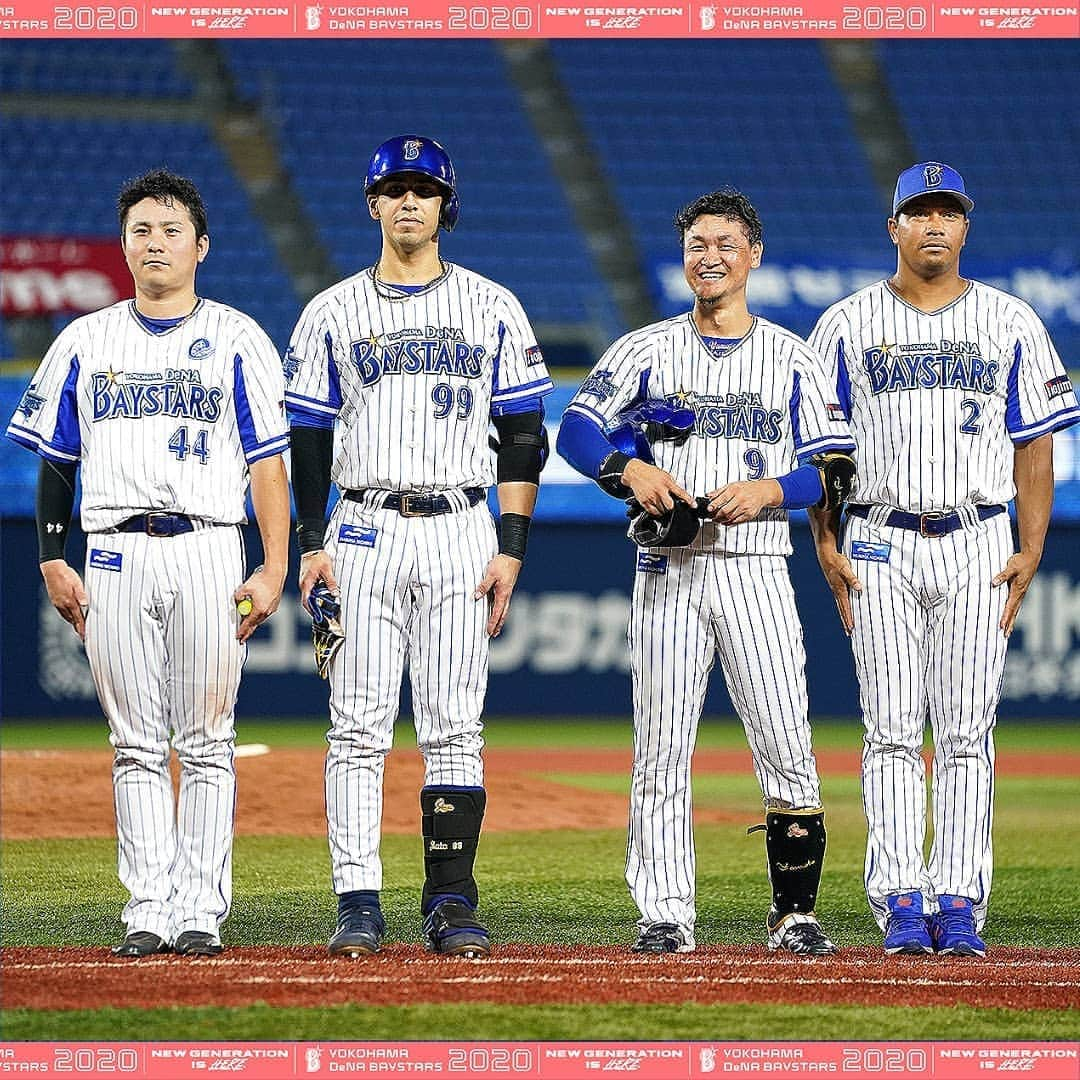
(312, 451)
(523, 447)
(55, 501)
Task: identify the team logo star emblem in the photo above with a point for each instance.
(687, 399)
(113, 376)
(886, 350)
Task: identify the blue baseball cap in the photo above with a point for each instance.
(930, 178)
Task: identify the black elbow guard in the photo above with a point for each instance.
(837, 471)
(522, 447)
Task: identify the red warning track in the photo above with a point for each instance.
(89, 978)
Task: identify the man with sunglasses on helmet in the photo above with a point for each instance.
(394, 375)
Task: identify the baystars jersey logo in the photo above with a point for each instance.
(737, 416)
(950, 365)
(431, 350)
(932, 175)
(410, 149)
(30, 403)
(179, 392)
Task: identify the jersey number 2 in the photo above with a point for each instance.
(180, 446)
(973, 410)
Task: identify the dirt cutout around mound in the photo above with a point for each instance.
(53, 794)
(82, 978)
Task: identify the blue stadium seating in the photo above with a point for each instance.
(672, 119)
(334, 101)
(1004, 121)
(68, 177)
(92, 67)
(1006, 124)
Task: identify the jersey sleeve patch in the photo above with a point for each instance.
(599, 385)
(1055, 388)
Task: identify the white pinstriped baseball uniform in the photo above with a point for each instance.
(758, 405)
(164, 421)
(409, 378)
(936, 402)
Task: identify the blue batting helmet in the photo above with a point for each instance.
(640, 425)
(655, 420)
(415, 154)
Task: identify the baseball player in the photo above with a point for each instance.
(758, 409)
(395, 375)
(953, 390)
(170, 403)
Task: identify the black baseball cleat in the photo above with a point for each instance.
(451, 928)
(798, 934)
(358, 933)
(198, 943)
(140, 943)
(659, 938)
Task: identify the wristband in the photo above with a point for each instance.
(309, 534)
(514, 535)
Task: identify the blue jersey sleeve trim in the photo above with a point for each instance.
(32, 440)
(66, 435)
(268, 449)
(821, 446)
(589, 414)
(843, 380)
(1014, 421)
(302, 418)
(310, 404)
(583, 444)
(496, 360)
(1060, 420)
(793, 408)
(536, 388)
(522, 405)
(332, 373)
(244, 421)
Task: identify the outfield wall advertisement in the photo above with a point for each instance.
(564, 647)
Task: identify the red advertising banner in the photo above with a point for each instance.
(41, 275)
(445, 19)
(544, 1060)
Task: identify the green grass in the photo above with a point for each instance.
(561, 887)
(613, 733)
(514, 1023)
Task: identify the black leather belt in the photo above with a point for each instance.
(419, 503)
(157, 523)
(935, 523)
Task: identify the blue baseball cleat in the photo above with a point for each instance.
(953, 928)
(907, 931)
(452, 929)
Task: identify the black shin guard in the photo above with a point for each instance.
(795, 846)
(451, 829)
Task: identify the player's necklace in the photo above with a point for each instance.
(170, 322)
(379, 280)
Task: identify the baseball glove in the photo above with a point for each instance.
(326, 633)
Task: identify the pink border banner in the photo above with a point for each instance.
(543, 1061)
(518, 19)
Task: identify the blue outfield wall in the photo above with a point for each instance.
(564, 648)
